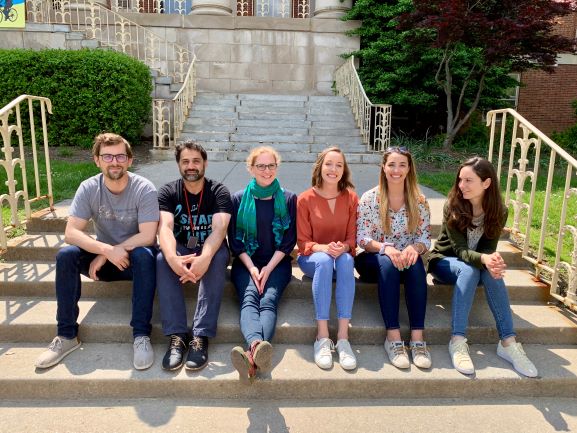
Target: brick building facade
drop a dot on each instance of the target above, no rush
(545, 99)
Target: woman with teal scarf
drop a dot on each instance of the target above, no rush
(261, 235)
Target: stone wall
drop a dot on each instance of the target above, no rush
(259, 54)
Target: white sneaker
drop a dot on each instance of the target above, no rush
(58, 349)
(397, 353)
(143, 353)
(420, 354)
(459, 351)
(323, 353)
(347, 357)
(515, 354)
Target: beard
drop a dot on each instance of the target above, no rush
(192, 175)
(115, 175)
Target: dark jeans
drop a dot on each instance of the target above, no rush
(72, 261)
(258, 313)
(210, 288)
(373, 267)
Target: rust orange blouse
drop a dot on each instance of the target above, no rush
(316, 223)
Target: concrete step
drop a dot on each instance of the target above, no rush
(105, 320)
(97, 371)
(268, 97)
(25, 278)
(271, 104)
(277, 110)
(256, 131)
(328, 415)
(200, 114)
(272, 123)
(44, 246)
(271, 138)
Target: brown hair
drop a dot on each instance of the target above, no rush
(411, 191)
(317, 178)
(461, 210)
(110, 139)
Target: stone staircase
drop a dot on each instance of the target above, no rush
(102, 368)
(299, 127)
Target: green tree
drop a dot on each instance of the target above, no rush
(440, 65)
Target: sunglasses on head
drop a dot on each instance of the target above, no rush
(400, 149)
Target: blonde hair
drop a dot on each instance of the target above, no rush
(413, 195)
(254, 154)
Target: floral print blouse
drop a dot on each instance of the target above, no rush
(369, 223)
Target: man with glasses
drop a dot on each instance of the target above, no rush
(194, 216)
(124, 210)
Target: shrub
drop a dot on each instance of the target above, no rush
(91, 91)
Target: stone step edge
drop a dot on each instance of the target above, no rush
(105, 370)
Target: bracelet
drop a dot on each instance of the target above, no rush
(384, 246)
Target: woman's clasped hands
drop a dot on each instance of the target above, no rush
(402, 259)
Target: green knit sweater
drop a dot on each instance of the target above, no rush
(453, 243)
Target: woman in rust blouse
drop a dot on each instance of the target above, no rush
(326, 232)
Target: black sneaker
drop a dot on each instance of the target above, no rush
(198, 355)
(174, 356)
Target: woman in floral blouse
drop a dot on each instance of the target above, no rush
(393, 227)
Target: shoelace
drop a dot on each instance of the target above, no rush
(399, 349)
(175, 342)
(420, 349)
(56, 344)
(196, 343)
(326, 348)
(140, 342)
(462, 351)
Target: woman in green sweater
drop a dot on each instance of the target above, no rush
(465, 255)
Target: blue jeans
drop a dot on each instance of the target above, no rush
(374, 267)
(258, 313)
(466, 278)
(72, 261)
(321, 267)
(171, 295)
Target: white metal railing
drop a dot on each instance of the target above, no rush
(169, 114)
(114, 31)
(529, 143)
(10, 125)
(374, 120)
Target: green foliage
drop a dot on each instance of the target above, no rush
(91, 91)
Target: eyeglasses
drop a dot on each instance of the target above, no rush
(109, 157)
(263, 167)
(399, 149)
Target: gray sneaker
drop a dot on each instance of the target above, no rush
(58, 349)
(143, 353)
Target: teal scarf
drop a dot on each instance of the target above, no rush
(246, 217)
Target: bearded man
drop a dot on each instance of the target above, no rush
(124, 210)
(194, 216)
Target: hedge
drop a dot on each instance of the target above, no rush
(91, 91)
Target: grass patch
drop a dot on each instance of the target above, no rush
(66, 176)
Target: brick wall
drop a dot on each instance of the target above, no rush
(546, 99)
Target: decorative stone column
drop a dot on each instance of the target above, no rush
(213, 7)
(331, 8)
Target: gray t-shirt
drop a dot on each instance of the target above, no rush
(116, 216)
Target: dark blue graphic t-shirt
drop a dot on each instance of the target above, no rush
(215, 199)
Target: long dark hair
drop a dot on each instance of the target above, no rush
(461, 210)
